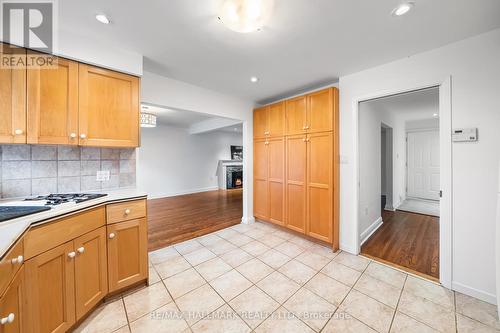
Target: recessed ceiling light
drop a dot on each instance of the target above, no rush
(435, 115)
(254, 79)
(102, 18)
(403, 8)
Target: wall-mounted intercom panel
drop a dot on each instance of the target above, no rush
(464, 135)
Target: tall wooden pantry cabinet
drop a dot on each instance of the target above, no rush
(296, 165)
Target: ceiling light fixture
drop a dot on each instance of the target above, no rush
(245, 15)
(148, 120)
(254, 79)
(102, 18)
(435, 115)
(403, 8)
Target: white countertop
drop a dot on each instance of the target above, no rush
(11, 230)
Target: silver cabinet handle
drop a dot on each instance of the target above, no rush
(127, 211)
(72, 135)
(112, 235)
(80, 250)
(7, 320)
(18, 260)
(83, 136)
(18, 132)
(72, 254)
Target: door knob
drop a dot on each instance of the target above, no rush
(83, 136)
(18, 131)
(18, 260)
(72, 135)
(80, 250)
(7, 320)
(112, 235)
(72, 254)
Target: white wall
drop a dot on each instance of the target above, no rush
(163, 91)
(474, 67)
(171, 161)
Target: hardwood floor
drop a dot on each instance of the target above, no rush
(175, 219)
(408, 240)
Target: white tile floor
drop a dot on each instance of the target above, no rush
(259, 278)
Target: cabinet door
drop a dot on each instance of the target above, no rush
(296, 183)
(108, 108)
(91, 270)
(127, 253)
(12, 306)
(12, 98)
(260, 122)
(320, 111)
(276, 180)
(50, 288)
(277, 119)
(295, 115)
(320, 186)
(261, 174)
(53, 104)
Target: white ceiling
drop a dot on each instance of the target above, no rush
(174, 118)
(415, 105)
(306, 44)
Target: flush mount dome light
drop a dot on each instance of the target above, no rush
(102, 18)
(254, 79)
(245, 15)
(403, 8)
(148, 120)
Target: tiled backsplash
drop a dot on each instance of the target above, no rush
(38, 169)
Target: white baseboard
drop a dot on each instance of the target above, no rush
(174, 194)
(370, 230)
(473, 292)
(248, 219)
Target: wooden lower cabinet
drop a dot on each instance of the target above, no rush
(320, 186)
(296, 148)
(50, 290)
(12, 306)
(91, 272)
(127, 253)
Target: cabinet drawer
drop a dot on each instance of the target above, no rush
(125, 211)
(10, 264)
(47, 236)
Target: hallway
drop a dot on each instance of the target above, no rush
(408, 240)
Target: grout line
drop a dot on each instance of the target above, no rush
(397, 304)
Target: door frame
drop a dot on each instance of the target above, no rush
(407, 157)
(446, 174)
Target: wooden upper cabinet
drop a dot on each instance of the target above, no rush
(260, 122)
(296, 183)
(50, 290)
(127, 253)
(320, 186)
(320, 111)
(276, 119)
(53, 104)
(12, 306)
(296, 115)
(91, 270)
(12, 99)
(108, 108)
(261, 174)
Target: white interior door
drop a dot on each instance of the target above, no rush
(423, 165)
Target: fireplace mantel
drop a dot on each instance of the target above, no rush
(222, 171)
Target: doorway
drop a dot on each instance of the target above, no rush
(399, 187)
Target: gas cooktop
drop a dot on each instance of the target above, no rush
(60, 198)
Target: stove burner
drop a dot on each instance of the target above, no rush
(59, 198)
